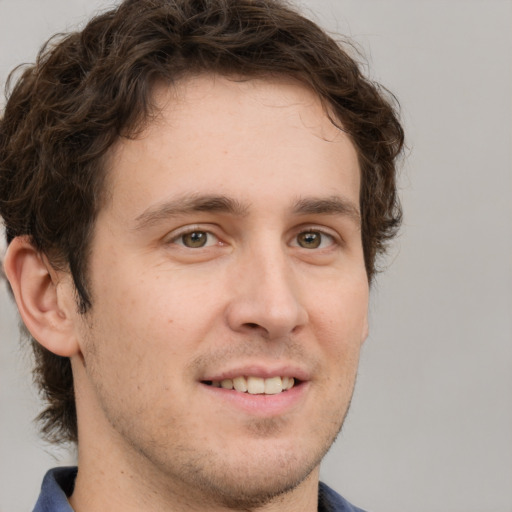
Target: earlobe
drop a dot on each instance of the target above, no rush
(45, 301)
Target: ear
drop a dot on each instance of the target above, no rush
(45, 297)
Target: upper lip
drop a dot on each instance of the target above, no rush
(259, 370)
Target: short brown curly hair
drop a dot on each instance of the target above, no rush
(89, 88)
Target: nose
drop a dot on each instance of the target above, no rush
(266, 298)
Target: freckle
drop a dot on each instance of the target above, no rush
(170, 321)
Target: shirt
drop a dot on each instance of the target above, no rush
(58, 484)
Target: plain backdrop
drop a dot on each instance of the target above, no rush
(430, 429)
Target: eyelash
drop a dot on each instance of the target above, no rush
(323, 235)
(178, 237)
(189, 231)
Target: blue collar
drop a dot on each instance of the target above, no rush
(58, 484)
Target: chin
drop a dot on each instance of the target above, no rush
(254, 485)
(257, 472)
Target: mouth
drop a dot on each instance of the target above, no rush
(255, 385)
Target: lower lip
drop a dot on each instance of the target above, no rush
(260, 405)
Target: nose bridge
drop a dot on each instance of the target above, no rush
(267, 294)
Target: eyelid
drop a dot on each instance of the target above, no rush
(337, 239)
(176, 234)
(173, 236)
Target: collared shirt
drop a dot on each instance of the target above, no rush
(59, 482)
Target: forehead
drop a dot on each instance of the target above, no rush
(233, 134)
(243, 99)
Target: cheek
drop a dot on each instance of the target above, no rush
(154, 320)
(340, 321)
(342, 308)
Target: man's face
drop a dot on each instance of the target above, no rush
(228, 253)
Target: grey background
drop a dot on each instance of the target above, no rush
(430, 428)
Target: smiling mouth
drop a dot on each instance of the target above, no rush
(255, 385)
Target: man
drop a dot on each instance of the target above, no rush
(194, 194)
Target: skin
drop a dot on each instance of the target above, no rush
(260, 297)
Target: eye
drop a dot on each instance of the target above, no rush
(195, 239)
(314, 240)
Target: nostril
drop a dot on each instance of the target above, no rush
(254, 329)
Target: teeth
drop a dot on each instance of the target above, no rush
(291, 383)
(240, 384)
(257, 385)
(273, 386)
(226, 384)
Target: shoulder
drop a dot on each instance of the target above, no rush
(331, 501)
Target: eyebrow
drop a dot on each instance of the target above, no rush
(188, 204)
(333, 205)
